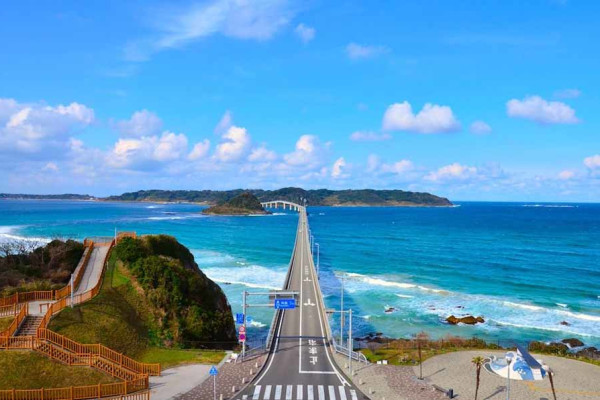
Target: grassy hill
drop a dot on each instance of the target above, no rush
(154, 305)
(29, 370)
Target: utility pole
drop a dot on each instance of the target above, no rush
(72, 288)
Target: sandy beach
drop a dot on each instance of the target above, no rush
(573, 380)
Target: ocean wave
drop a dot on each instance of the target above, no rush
(404, 296)
(257, 324)
(524, 306)
(253, 276)
(175, 217)
(549, 205)
(7, 234)
(563, 305)
(155, 206)
(380, 281)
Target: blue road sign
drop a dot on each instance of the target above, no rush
(239, 318)
(213, 371)
(283, 304)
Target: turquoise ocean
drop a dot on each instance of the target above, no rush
(531, 270)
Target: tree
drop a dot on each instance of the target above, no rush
(551, 377)
(478, 362)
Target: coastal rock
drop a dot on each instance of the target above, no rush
(591, 352)
(572, 342)
(565, 323)
(468, 320)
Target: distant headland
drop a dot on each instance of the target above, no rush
(314, 197)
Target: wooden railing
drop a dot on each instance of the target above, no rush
(10, 311)
(14, 326)
(132, 390)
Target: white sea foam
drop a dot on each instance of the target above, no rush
(380, 282)
(253, 276)
(155, 206)
(8, 234)
(563, 305)
(404, 296)
(257, 324)
(524, 306)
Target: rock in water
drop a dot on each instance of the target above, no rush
(468, 320)
(573, 342)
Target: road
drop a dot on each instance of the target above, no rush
(301, 366)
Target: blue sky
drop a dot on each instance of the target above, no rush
(474, 100)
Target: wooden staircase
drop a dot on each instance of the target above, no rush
(29, 325)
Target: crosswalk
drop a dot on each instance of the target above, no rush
(301, 392)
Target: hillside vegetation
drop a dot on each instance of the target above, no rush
(154, 302)
(23, 268)
(318, 197)
(244, 204)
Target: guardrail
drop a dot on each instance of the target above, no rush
(10, 311)
(356, 355)
(14, 326)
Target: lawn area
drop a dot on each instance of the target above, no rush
(396, 356)
(172, 357)
(5, 323)
(29, 370)
(120, 319)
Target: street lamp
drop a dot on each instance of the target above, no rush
(318, 256)
(508, 361)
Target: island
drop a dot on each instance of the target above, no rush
(243, 204)
(313, 197)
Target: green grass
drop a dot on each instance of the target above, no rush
(172, 357)
(29, 370)
(120, 319)
(5, 323)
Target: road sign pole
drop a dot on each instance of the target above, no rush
(214, 387)
(72, 289)
(244, 324)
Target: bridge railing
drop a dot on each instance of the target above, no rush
(356, 355)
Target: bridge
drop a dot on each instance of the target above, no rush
(300, 363)
(283, 204)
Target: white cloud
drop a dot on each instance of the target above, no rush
(147, 151)
(339, 166)
(141, 123)
(224, 123)
(262, 154)
(305, 33)
(399, 167)
(566, 175)
(235, 144)
(367, 136)
(309, 153)
(373, 162)
(592, 162)
(356, 51)
(50, 167)
(567, 94)
(431, 119)
(30, 128)
(480, 128)
(200, 150)
(539, 110)
(238, 19)
(453, 172)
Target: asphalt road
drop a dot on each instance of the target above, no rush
(301, 366)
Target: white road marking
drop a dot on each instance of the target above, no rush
(299, 392)
(267, 394)
(256, 393)
(288, 392)
(342, 392)
(331, 392)
(353, 394)
(278, 392)
(245, 397)
(311, 393)
(321, 392)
